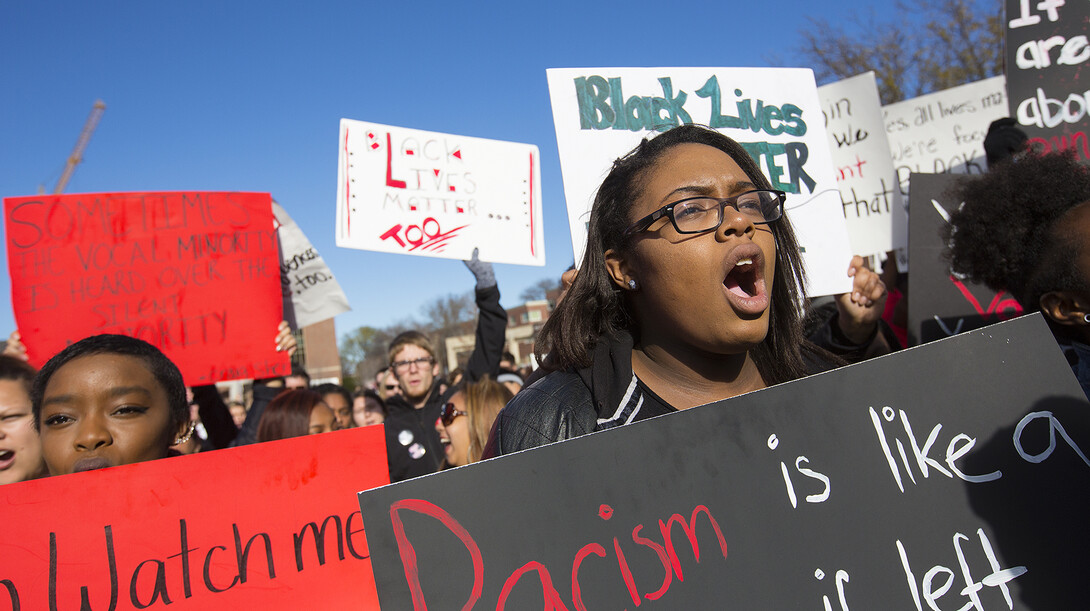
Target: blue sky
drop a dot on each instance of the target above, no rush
(247, 96)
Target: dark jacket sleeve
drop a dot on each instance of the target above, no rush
(263, 395)
(823, 329)
(557, 407)
(490, 336)
(215, 416)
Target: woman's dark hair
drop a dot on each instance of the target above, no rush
(1007, 233)
(595, 306)
(288, 415)
(164, 370)
(330, 388)
(17, 370)
(367, 393)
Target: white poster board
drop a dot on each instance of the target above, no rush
(429, 194)
(942, 133)
(864, 170)
(315, 293)
(602, 113)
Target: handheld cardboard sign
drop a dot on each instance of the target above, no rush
(941, 133)
(429, 194)
(603, 113)
(305, 278)
(194, 273)
(939, 304)
(272, 525)
(864, 171)
(1047, 51)
(950, 475)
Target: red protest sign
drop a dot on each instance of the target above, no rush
(194, 273)
(267, 526)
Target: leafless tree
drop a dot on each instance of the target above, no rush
(932, 45)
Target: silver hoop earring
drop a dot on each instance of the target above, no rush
(632, 285)
(1086, 318)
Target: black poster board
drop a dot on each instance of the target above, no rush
(940, 305)
(817, 488)
(1047, 55)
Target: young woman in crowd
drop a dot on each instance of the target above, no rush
(688, 293)
(20, 448)
(368, 408)
(337, 398)
(1025, 228)
(466, 419)
(294, 413)
(108, 400)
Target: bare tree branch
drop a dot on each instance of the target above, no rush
(932, 45)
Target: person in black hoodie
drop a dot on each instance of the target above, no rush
(412, 443)
(688, 293)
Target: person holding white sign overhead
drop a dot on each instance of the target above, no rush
(413, 446)
(688, 293)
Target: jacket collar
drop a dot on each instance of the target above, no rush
(610, 373)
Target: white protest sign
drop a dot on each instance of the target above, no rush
(864, 169)
(429, 194)
(602, 113)
(315, 294)
(942, 133)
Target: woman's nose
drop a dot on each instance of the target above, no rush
(92, 434)
(734, 223)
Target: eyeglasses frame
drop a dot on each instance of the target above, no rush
(407, 365)
(668, 210)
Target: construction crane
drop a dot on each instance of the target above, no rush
(81, 144)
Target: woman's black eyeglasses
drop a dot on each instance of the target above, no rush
(449, 413)
(700, 214)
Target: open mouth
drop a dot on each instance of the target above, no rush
(745, 281)
(742, 279)
(7, 458)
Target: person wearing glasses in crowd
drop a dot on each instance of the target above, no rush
(688, 293)
(386, 383)
(467, 418)
(412, 442)
(340, 401)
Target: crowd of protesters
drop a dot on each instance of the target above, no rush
(689, 293)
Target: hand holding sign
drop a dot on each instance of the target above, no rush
(861, 309)
(15, 347)
(285, 339)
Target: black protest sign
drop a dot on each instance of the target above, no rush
(1047, 52)
(939, 304)
(954, 472)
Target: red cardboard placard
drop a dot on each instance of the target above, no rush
(195, 273)
(267, 526)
